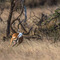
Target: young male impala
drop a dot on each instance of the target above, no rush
(17, 38)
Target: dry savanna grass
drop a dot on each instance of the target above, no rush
(32, 49)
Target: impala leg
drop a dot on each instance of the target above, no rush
(11, 41)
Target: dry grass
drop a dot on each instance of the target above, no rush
(29, 50)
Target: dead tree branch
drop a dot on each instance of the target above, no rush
(9, 18)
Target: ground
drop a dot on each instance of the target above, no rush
(32, 49)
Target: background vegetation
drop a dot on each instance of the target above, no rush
(44, 24)
(44, 18)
